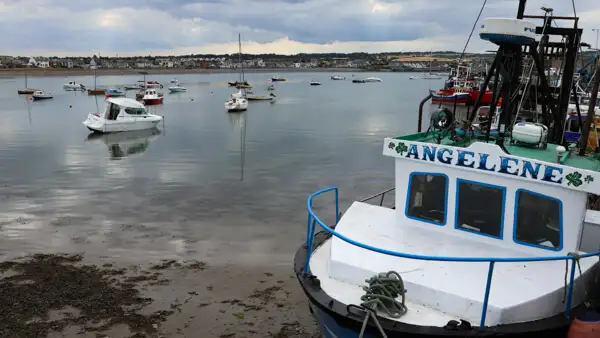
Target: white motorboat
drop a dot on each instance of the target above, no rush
(73, 86)
(174, 81)
(372, 79)
(151, 96)
(236, 104)
(121, 114)
(315, 82)
(431, 77)
(41, 95)
(412, 77)
(177, 88)
(338, 77)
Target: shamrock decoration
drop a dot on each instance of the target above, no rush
(589, 179)
(391, 145)
(574, 179)
(401, 148)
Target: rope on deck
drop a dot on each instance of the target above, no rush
(380, 295)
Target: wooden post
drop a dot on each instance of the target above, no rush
(590, 114)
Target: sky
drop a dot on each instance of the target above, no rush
(177, 27)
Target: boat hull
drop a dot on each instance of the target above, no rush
(26, 91)
(154, 101)
(338, 320)
(38, 98)
(100, 125)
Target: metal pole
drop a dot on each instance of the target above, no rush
(590, 114)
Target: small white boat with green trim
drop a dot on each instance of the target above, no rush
(492, 232)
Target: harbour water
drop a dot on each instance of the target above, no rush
(223, 188)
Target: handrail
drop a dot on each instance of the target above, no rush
(313, 219)
(382, 194)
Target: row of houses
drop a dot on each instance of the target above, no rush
(177, 62)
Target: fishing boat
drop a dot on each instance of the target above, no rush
(278, 79)
(315, 82)
(73, 86)
(27, 90)
(114, 92)
(121, 114)
(338, 77)
(372, 79)
(487, 236)
(151, 97)
(41, 95)
(461, 89)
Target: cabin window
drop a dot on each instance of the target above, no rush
(427, 197)
(480, 208)
(573, 125)
(538, 220)
(113, 111)
(135, 111)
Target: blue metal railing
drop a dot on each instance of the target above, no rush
(314, 219)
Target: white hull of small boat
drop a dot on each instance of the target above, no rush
(372, 79)
(177, 89)
(39, 95)
(236, 104)
(413, 77)
(73, 87)
(121, 114)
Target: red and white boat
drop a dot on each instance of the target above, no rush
(152, 97)
(461, 89)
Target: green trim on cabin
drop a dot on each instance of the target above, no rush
(570, 158)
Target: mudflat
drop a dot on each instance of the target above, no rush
(70, 295)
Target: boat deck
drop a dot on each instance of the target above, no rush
(547, 155)
(519, 291)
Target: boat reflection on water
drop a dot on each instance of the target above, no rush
(126, 144)
(240, 121)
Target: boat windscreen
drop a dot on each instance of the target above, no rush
(135, 111)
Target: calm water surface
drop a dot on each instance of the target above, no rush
(198, 188)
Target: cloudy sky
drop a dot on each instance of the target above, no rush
(164, 27)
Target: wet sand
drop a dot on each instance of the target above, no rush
(83, 296)
(159, 71)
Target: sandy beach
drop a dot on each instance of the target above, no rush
(162, 71)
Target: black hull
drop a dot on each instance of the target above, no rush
(339, 320)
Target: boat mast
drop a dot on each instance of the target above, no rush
(26, 79)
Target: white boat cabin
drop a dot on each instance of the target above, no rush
(476, 201)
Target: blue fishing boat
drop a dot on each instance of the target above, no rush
(491, 232)
(114, 93)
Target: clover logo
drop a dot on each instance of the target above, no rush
(401, 148)
(391, 145)
(589, 179)
(574, 179)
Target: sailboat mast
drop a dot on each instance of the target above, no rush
(26, 80)
(240, 57)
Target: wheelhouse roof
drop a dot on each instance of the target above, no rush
(125, 102)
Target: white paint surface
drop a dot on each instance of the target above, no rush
(520, 292)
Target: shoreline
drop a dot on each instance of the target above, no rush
(42, 72)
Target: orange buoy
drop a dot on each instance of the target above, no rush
(585, 326)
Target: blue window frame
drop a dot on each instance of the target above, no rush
(427, 197)
(480, 208)
(538, 220)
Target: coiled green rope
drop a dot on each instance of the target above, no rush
(381, 294)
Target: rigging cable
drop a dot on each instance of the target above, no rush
(472, 30)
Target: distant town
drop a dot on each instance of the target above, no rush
(388, 61)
